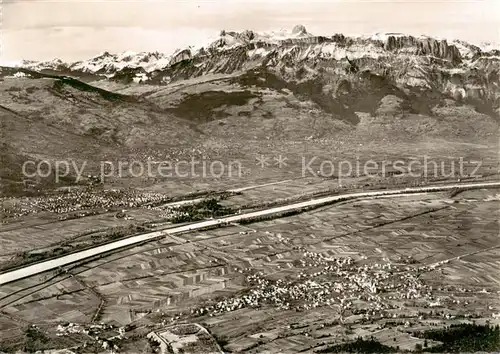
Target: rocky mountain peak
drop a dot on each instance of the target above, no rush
(424, 46)
(299, 30)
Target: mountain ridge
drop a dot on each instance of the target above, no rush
(108, 64)
(456, 69)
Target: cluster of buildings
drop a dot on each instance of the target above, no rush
(81, 199)
(73, 328)
(354, 287)
(184, 338)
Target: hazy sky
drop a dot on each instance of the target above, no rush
(79, 29)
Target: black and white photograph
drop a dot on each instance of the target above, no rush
(249, 176)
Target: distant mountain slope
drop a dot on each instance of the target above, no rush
(247, 90)
(50, 117)
(109, 119)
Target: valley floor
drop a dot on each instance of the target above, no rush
(361, 268)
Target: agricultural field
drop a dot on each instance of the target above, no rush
(361, 268)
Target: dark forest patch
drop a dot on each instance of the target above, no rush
(463, 337)
(201, 107)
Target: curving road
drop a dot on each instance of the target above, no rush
(78, 256)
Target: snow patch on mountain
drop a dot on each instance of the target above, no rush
(105, 63)
(298, 31)
(489, 47)
(258, 52)
(34, 65)
(382, 36)
(110, 63)
(334, 51)
(467, 51)
(18, 75)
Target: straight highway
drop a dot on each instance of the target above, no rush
(62, 261)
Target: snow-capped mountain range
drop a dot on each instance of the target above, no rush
(336, 47)
(454, 69)
(107, 63)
